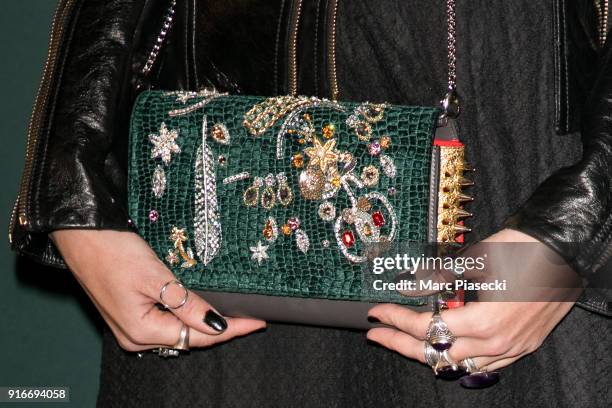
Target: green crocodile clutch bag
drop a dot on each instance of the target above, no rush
(278, 197)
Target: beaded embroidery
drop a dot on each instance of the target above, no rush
(207, 220)
(164, 144)
(327, 172)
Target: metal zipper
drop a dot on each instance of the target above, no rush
(293, 38)
(603, 12)
(63, 10)
(331, 49)
(161, 38)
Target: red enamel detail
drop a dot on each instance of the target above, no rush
(457, 301)
(449, 143)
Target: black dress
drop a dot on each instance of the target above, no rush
(506, 79)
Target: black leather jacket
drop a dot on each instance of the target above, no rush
(75, 172)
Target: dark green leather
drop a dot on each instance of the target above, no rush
(320, 272)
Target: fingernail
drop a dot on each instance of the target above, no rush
(373, 319)
(215, 320)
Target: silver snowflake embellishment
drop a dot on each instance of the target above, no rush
(164, 144)
(259, 253)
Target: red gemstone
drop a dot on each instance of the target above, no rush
(378, 219)
(348, 238)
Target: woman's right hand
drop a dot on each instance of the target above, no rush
(123, 277)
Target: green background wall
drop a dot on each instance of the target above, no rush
(49, 332)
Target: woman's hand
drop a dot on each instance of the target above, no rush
(496, 333)
(123, 277)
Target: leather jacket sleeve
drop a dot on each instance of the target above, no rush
(77, 179)
(79, 138)
(572, 210)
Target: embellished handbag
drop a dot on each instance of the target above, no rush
(267, 206)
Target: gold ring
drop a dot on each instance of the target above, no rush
(183, 341)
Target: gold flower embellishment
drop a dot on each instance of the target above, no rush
(178, 237)
(322, 155)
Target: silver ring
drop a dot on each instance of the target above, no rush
(183, 341)
(166, 352)
(470, 365)
(438, 333)
(163, 290)
(431, 355)
(438, 360)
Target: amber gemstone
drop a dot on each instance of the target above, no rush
(335, 181)
(367, 230)
(348, 239)
(378, 219)
(328, 131)
(268, 231)
(286, 229)
(385, 142)
(297, 161)
(218, 133)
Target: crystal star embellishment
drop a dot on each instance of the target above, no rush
(322, 155)
(164, 144)
(259, 253)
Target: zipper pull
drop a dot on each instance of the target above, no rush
(447, 130)
(451, 107)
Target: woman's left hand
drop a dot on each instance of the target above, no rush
(494, 334)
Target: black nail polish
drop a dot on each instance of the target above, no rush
(373, 319)
(216, 321)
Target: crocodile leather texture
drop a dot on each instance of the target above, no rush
(196, 180)
(78, 163)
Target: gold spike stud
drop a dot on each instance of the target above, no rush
(464, 197)
(465, 166)
(460, 229)
(464, 182)
(463, 214)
